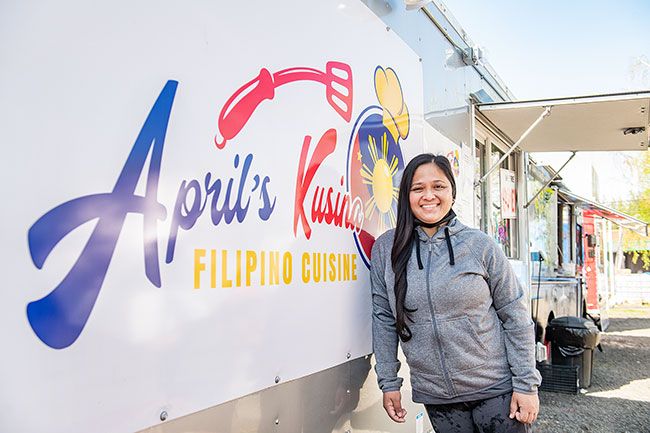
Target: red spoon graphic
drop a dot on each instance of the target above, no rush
(337, 79)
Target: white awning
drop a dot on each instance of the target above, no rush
(623, 220)
(616, 122)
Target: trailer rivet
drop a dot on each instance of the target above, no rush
(277, 421)
(387, 29)
(349, 355)
(277, 379)
(163, 415)
(347, 391)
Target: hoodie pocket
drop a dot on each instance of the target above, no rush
(419, 350)
(462, 348)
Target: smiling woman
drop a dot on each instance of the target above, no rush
(448, 295)
(431, 195)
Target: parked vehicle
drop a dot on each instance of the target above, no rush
(595, 252)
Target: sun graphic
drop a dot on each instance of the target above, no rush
(375, 160)
(379, 177)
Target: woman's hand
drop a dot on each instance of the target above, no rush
(393, 406)
(524, 407)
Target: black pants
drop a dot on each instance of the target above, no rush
(481, 416)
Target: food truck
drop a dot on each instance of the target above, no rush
(590, 245)
(193, 191)
(571, 253)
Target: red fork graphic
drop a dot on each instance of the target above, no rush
(337, 79)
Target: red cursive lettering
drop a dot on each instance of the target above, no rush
(306, 172)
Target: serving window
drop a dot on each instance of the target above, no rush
(496, 198)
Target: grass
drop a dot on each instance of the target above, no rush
(630, 310)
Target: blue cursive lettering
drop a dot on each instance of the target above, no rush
(59, 318)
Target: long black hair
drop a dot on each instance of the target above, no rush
(406, 235)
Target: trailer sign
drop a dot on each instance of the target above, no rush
(59, 317)
(205, 204)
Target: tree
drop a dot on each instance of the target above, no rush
(639, 207)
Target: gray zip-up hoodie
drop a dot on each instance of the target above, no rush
(472, 332)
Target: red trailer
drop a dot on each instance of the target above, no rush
(596, 254)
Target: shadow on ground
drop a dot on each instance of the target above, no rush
(628, 324)
(584, 413)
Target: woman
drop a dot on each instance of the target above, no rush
(448, 293)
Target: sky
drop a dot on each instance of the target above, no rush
(552, 48)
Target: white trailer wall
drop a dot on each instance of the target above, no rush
(108, 117)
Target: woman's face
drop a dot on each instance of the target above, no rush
(431, 194)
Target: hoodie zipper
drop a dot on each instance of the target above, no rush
(445, 373)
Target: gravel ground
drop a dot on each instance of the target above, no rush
(618, 399)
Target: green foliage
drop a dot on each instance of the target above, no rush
(638, 207)
(644, 255)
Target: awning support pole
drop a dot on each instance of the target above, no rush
(547, 111)
(557, 173)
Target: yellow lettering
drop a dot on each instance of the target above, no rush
(354, 267)
(346, 267)
(274, 268)
(332, 266)
(225, 282)
(316, 269)
(251, 265)
(338, 267)
(262, 266)
(287, 265)
(213, 269)
(305, 268)
(238, 268)
(199, 267)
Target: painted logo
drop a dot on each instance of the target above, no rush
(364, 203)
(375, 158)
